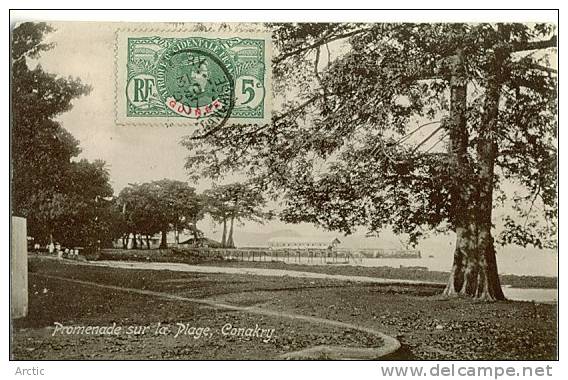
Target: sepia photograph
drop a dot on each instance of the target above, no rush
(283, 190)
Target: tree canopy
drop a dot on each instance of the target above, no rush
(235, 202)
(341, 149)
(414, 127)
(61, 198)
(160, 206)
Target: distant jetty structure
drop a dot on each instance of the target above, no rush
(302, 243)
(296, 243)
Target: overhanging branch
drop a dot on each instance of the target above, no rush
(318, 43)
(428, 138)
(535, 45)
(264, 126)
(296, 109)
(547, 69)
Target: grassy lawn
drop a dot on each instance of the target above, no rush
(428, 327)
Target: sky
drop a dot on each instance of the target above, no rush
(145, 153)
(132, 153)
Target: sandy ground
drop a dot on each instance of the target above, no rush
(541, 295)
(271, 272)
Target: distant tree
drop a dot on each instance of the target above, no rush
(109, 222)
(178, 206)
(348, 147)
(195, 208)
(218, 209)
(79, 212)
(235, 202)
(89, 195)
(55, 194)
(140, 209)
(160, 206)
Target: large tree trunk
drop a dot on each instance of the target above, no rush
(164, 241)
(487, 153)
(474, 270)
(224, 238)
(195, 232)
(459, 167)
(230, 241)
(134, 241)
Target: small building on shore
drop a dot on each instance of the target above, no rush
(201, 242)
(303, 243)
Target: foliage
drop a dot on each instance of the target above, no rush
(342, 151)
(159, 206)
(235, 202)
(62, 199)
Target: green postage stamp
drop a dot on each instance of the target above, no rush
(191, 78)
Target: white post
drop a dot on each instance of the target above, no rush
(19, 268)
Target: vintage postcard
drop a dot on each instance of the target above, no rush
(284, 191)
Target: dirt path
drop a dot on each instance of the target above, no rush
(513, 294)
(256, 272)
(390, 344)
